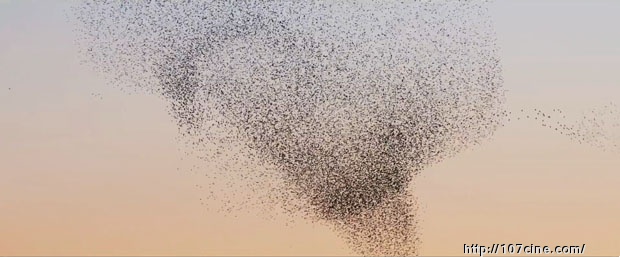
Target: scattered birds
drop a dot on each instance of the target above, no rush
(346, 101)
(598, 127)
(97, 95)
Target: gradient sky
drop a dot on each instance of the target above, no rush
(87, 168)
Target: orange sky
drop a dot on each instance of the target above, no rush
(81, 175)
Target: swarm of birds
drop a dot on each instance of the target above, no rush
(346, 100)
(597, 127)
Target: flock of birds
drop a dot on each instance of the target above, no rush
(344, 101)
(597, 127)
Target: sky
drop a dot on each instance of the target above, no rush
(90, 169)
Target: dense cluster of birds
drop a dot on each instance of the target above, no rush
(345, 100)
